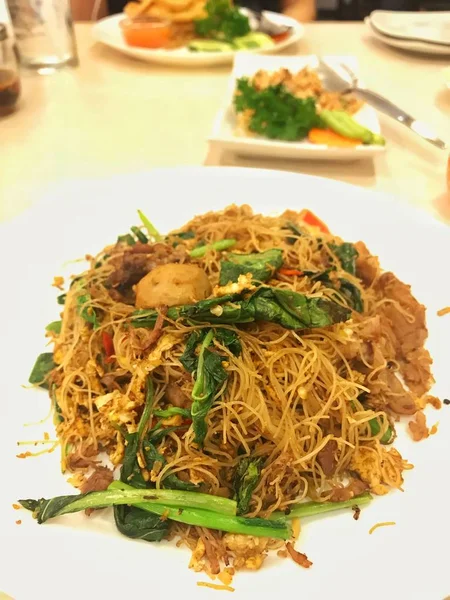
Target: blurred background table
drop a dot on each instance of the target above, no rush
(114, 114)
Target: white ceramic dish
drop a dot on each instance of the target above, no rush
(417, 47)
(77, 556)
(429, 27)
(108, 32)
(225, 137)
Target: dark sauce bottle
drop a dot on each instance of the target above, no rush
(9, 75)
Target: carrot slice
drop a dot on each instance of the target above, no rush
(308, 217)
(289, 272)
(330, 138)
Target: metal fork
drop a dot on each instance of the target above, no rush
(347, 81)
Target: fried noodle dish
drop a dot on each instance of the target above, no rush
(233, 376)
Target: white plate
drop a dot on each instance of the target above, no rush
(76, 556)
(225, 136)
(429, 27)
(417, 47)
(108, 32)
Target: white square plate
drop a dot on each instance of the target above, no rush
(226, 137)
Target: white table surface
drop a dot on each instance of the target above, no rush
(113, 114)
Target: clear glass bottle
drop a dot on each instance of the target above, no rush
(44, 34)
(9, 74)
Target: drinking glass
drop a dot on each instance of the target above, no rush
(44, 33)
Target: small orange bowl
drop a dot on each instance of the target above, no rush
(145, 32)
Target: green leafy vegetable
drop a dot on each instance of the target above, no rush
(87, 312)
(171, 411)
(61, 299)
(347, 255)
(151, 229)
(217, 246)
(126, 239)
(261, 265)
(309, 509)
(352, 294)
(295, 230)
(210, 376)
(226, 337)
(285, 307)
(121, 494)
(139, 234)
(54, 326)
(139, 524)
(223, 22)
(209, 372)
(42, 367)
(213, 518)
(246, 478)
(276, 113)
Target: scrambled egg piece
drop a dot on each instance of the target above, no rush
(249, 551)
(244, 282)
(118, 407)
(155, 358)
(197, 563)
(366, 463)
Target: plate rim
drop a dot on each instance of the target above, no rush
(409, 45)
(386, 33)
(177, 57)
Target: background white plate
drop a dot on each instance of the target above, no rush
(108, 32)
(417, 47)
(225, 137)
(78, 557)
(432, 27)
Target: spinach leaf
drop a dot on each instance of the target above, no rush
(54, 326)
(229, 339)
(296, 311)
(226, 337)
(189, 357)
(296, 230)
(139, 524)
(42, 367)
(352, 294)
(347, 255)
(87, 312)
(210, 376)
(261, 265)
(246, 479)
(289, 309)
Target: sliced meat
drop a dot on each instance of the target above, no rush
(367, 266)
(172, 284)
(98, 481)
(176, 396)
(403, 322)
(327, 458)
(75, 462)
(298, 557)
(397, 398)
(354, 488)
